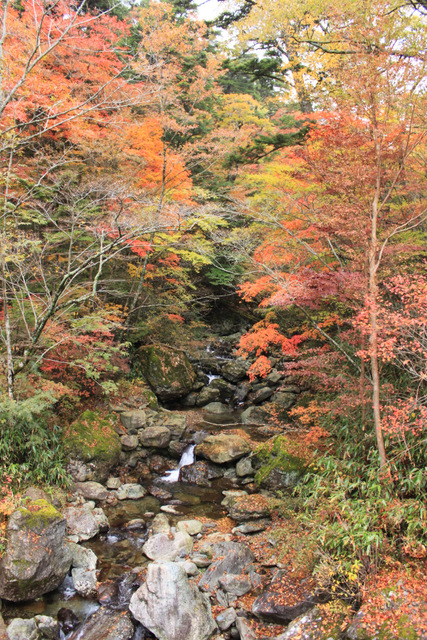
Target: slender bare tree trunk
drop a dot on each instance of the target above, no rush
(7, 327)
(373, 310)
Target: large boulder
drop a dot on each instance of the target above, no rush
(37, 557)
(223, 447)
(168, 372)
(106, 624)
(170, 607)
(280, 463)
(92, 439)
(200, 473)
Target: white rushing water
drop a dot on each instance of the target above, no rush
(186, 459)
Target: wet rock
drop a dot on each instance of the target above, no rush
(242, 392)
(192, 527)
(200, 473)
(207, 395)
(235, 370)
(170, 508)
(81, 522)
(37, 558)
(170, 607)
(108, 592)
(101, 519)
(48, 627)
(132, 491)
(176, 448)
(129, 443)
(91, 490)
(230, 558)
(163, 548)
(67, 620)
(244, 629)
(136, 524)
(84, 582)
(105, 624)
(133, 420)
(82, 557)
(157, 437)
(226, 618)
(20, 629)
(249, 507)
(223, 447)
(244, 468)
(160, 524)
(160, 494)
(168, 372)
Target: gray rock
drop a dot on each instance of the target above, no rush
(157, 437)
(201, 560)
(235, 370)
(47, 626)
(223, 447)
(230, 558)
(160, 524)
(133, 420)
(163, 548)
(207, 396)
(236, 585)
(244, 468)
(81, 521)
(84, 582)
(245, 630)
(190, 568)
(101, 519)
(230, 496)
(284, 400)
(114, 483)
(200, 473)
(226, 618)
(253, 415)
(273, 609)
(248, 507)
(131, 491)
(82, 557)
(192, 527)
(92, 490)
(263, 394)
(20, 629)
(37, 557)
(168, 371)
(251, 527)
(105, 624)
(170, 607)
(308, 627)
(129, 443)
(216, 407)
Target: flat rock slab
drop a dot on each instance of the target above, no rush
(223, 447)
(157, 437)
(170, 607)
(249, 507)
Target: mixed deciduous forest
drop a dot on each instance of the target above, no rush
(160, 174)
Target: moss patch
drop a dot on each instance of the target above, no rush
(168, 372)
(92, 437)
(282, 455)
(39, 514)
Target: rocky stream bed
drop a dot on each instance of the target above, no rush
(168, 530)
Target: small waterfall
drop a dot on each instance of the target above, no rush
(186, 459)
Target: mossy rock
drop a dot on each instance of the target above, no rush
(168, 372)
(37, 558)
(92, 438)
(279, 463)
